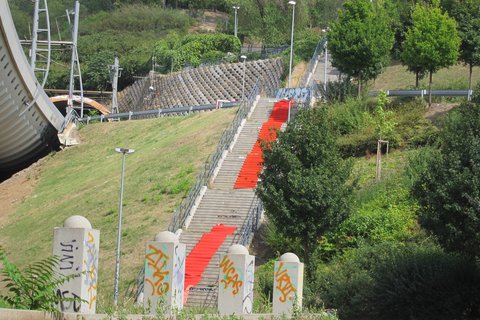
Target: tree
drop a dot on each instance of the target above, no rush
(448, 187)
(431, 43)
(467, 15)
(304, 184)
(360, 40)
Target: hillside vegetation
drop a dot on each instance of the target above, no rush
(85, 180)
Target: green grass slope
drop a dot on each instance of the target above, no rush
(85, 180)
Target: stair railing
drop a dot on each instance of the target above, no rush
(183, 210)
(251, 222)
(311, 64)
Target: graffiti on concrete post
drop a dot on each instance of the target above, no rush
(68, 250)
(284, 284)
(90, 267)
(157, 274)
(248, 299)
(230, 275)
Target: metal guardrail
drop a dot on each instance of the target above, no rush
(422, 93)
(157, 112)
(181, 213)
(311, 64)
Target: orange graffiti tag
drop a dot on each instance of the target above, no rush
(157, 260)
(91, 269)
(230, 275)
(284, 284)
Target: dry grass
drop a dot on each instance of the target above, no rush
(85, 180)
(396, 76)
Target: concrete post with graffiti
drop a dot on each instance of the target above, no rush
(287, 284)
(76, 244)
(235, 284)
(164, 274)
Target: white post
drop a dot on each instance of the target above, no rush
(235, 283)
(291, 43)
(326, 66)
(164, 273)
(244, 58)
(76, 244)
(287, 284)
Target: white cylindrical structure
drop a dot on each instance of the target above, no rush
(291, 43)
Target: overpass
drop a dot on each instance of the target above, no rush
(29, 122)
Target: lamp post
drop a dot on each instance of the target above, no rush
(326, 61)
(123, 151)
(244, 58)
(236, 20)
(291, 42)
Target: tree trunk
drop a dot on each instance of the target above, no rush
(470, 77)
(416, 79)
(430, 90)
(359, 87)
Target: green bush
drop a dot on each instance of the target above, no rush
(339, 91)
(426, 283)
(263, 288)
(349, 116)
(345, 283)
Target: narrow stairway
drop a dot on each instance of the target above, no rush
(222, 204)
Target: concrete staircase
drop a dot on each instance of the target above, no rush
(223, 204)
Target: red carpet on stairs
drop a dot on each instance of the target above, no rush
(252, 166)
(202, 253)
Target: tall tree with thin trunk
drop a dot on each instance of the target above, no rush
(467, 15)
(432, 42)
(361, 39)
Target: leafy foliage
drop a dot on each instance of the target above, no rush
(173, 52)
(449, 190)
(34, 287)
(426, 283)
(304, 182)
(467, 15)
(361, 39)
(383, 119)
(432, 42)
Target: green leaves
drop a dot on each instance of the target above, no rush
(34, 287)
(449, 190)
(361, 39)
(304, 182)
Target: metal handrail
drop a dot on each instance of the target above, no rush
(251, 223)
(422, 93)
(158, 112)
(183, 210)
(311, 64)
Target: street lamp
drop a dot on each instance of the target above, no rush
(244, 58)
(326, 61)
(124, 151)
(291, 42)
(236, 20)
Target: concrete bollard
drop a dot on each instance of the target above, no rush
(164, 274)
(77, 246)
(235, 285)
(287, 284)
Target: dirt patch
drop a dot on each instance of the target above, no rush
(16, 189)
(437, 111)
(208, 22)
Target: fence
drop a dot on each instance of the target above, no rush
(422, 93)
(157, 112)
(312, 63)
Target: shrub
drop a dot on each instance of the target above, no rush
(339, 91)
(263, 288)
(426, 283)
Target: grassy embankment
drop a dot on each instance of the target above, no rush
(397, 77)
(85, 180)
